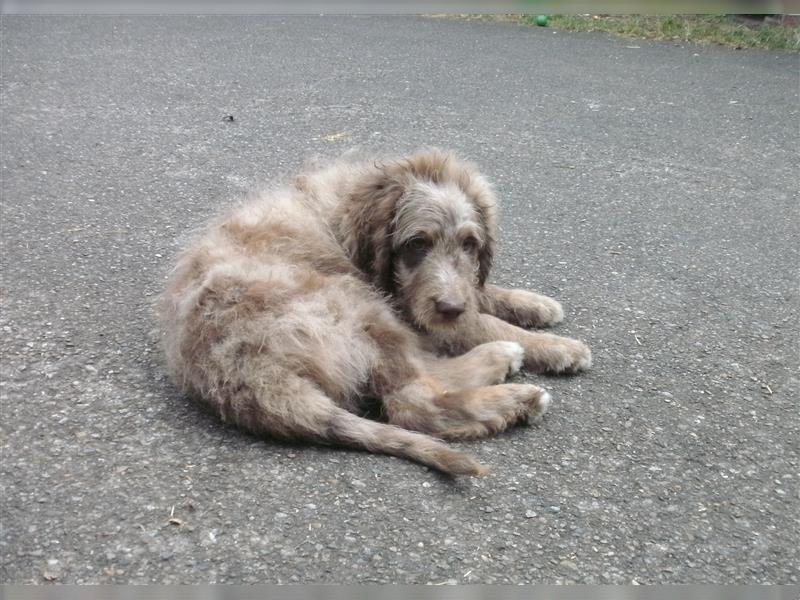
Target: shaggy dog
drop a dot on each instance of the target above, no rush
(362, 281)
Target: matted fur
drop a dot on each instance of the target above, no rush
(362, 280)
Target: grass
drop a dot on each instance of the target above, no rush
(713, 29)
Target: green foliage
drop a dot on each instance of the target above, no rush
(715, 29)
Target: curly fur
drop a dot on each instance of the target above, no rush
(352, 283)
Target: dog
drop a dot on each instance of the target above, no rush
(361, 281)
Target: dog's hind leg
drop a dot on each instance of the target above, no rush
(297, 409)
(466, 413)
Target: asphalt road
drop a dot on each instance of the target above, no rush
(651, 187)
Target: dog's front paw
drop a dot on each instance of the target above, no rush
(535, 310)
(578, 357)
(555, 354)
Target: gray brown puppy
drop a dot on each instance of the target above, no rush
(362, 280)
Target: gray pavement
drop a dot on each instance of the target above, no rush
(651, 187)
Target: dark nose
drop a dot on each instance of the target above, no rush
(448, 309)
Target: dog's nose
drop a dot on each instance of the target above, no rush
(448, 309)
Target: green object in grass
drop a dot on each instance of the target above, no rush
(541, 20)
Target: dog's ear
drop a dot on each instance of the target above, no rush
(480, 192)
(369, 222)
(485, 259)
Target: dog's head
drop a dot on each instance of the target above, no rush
(423, 227)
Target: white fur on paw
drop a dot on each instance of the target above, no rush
(557, 313)
(584, 361)
(516, 354)
(542, 405)
(544, 402)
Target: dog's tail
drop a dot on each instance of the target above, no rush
(354, 431)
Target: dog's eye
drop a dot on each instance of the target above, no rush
(417, 245)
(470, 244)
(414, 250)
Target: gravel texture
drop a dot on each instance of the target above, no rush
(651, 187)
